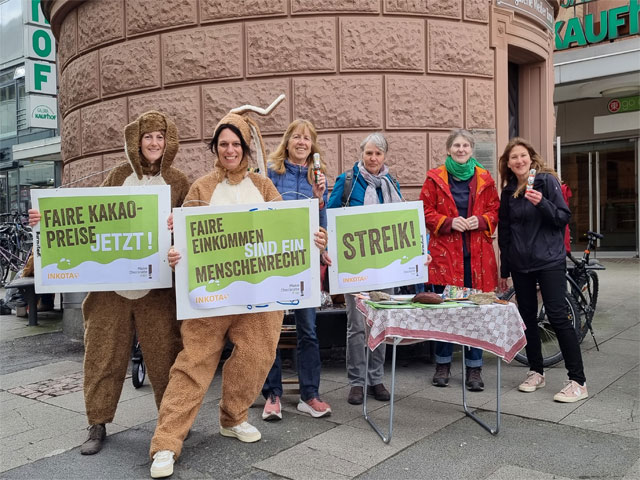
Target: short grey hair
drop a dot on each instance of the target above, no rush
(378, 140)
(460, 132)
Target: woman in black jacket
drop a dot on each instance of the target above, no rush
(531, 240)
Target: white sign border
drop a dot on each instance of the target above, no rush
(183, 307)
(332, 213)
(164, 237)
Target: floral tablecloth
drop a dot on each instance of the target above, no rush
(498, 329)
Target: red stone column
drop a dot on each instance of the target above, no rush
(413, 70)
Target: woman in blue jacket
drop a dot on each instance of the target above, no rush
(368, 183)
(532, 251)
(291, 171)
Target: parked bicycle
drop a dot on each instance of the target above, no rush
(581, 299)
(15, 244)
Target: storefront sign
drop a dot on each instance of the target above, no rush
(40, 49)
(40, 77)
(376, 246)
(39, 43)
(42, 111)
(624, 104)
(101, 239)
(32, 13)
(539, 10)
(605, 29)
(246, 258)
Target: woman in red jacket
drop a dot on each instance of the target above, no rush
(461, 212)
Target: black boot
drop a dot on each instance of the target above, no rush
(356, 396)
(441, 377)
(93, 444)
(474, 381)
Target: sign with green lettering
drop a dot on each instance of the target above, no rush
(607, 27)
(244, 258)
(100, 239)
(624, 104)
(42, 111)
(376, 246)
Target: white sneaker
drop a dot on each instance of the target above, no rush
(245, 432)
(572, 392)
(162, 464)
(533, 382)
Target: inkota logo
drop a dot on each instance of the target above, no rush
(43, 112)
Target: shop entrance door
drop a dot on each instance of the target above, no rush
(604, 185)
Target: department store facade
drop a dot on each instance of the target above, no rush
(597, 97)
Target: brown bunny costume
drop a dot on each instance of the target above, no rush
(110, 318)
(254, 335)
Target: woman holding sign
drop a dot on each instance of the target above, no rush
(533, 216)
(110, 318)
(461, 211)
(254, 335)
(292, 171)
(367, 183)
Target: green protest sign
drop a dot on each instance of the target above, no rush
(101, 239)
(376, 246)
(246, 257)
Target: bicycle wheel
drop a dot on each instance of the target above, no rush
(551, 353)
(587, 302)
(590, 291)
(138, 373)
(4, 264)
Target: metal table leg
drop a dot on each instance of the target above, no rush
(31, 297)
(493, 431)
(387, 438)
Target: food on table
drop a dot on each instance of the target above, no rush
(427, 297)
(483, 298)
(376, 296)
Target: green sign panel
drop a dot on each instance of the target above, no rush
(624, 104)
(610, 22)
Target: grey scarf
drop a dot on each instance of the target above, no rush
(389, 192)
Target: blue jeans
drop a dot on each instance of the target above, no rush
(308, 359)
(472, 356)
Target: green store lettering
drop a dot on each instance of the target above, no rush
(610, 22)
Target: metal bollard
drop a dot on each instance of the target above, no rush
(72, 322)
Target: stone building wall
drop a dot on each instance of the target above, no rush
(412, 69)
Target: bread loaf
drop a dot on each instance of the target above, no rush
(482, 298)
(379, 296)
(427, 297)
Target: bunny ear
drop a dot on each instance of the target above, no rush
(260, 151)
(260, 111)
(132, 146)
(249, 130)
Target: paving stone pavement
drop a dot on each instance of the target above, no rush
(42, 421)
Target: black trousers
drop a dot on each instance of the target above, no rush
(553, 286)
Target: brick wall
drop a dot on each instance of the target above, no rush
(411, 69)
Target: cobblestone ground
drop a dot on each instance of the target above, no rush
(53, 387)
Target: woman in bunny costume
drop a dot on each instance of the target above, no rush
(254, 335)
(110, 318)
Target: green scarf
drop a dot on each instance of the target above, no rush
(463, 171)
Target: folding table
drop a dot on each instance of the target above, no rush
(495, 328)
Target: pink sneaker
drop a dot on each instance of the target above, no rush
(272, 409)
(572, 392)
(533, 382)
(314, 407)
